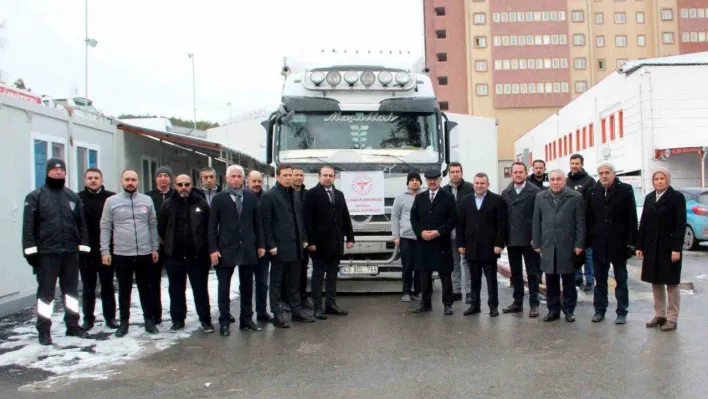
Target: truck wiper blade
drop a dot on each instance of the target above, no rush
(336, 168)
(399, 159)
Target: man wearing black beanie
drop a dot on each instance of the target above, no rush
(404, 236)
(53, 232)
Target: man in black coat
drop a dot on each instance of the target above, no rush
(235, 239)
(433, 217)
(93, 197)
(459, 188)
(611, 217)
(299, 192)
(520, 198)
(254, 184)
(286, 239)
(53, 233)
(539, 177)
(481, 222)
(328, 223)
(183, 224)
(580, 181)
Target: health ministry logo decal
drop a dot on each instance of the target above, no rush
(362, 184)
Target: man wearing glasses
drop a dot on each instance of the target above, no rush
(183, 225)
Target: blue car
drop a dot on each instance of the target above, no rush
(696, 217)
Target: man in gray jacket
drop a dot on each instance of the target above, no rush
(404, 237)
(558, 234)
(130, 221)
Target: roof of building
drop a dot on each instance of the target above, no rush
(683, 59)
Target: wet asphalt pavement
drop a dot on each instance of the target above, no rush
(382, 351)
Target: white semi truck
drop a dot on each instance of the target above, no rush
(377, 117)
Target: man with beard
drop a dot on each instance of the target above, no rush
(163, 179)
(459, 188)
(93, 197)
(53, 233)
(539, 177)
(209, 187)
(235, 239)
(129, 222)
(182, 224)
(580, 181)
(254, 183)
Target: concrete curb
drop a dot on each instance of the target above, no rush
(505, 271)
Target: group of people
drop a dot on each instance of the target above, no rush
(554, 224)
(186, 230)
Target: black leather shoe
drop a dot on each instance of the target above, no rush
(320, 315)
(422, 308)
(457, 297)
(306, 303)
(176, 326)
(588, 288)
(232, 319)
(224, 331)
(86, 326)
(493, 312)
(448, 310)
(112, 323)
(249, 326)
(157, 320)
(122, 330)
(533, 313)
(551, 317)
(280, 322)
(468, 299)
(76, 332)
(45, 338)
(207, 327)
(598, 317)
(570, 317)
(472, 310)
(334, 309)
(302, 317)
(265, 317)
(513, 308)
(151, 328)
(579, 282)
(286, 307)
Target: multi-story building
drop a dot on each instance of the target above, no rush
(519, 61)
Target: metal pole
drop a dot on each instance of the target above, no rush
(194, 91)
(86, 45)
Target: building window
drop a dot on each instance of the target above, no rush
(480, 19)
(480, 65)
(556, 87)
(507, 88)
(701, 13)
(43, 148)
(577, 16)
(621, 62)
(599, 18)
(556, 63)
(496, 17)
(641, 41)
(497, 41)
(620, 18)
(499, 89)
(521, 16)
(580, 63)
(563, 39)
(512, 17)
(667, 14)
(480, 41)
(581, 86)
(640, 17)
(515, 88)
(514, 64)
(498, 65)
(442, 57)
(440, 11)
(524, 88)
(621, 41)
(564, 63)
(505, 17)
(554, 15)
(441, 34)
(692, 13)
(506, 64)
(513, 40)
(701, 36)
(522, 63)
(444, 106)
(442, 80)
(684, 13)
(86, 157)
(546, 16)
(667, 37)
(522, 40)
(578, 39)
(547, 64)
(149, 166)
(685, 37)
(537, 16)
(549, 87)
(555, 40)
(561, 15)
(564, 87)
(601, 64)
(505, 40)
(482, 89)
(600, 41)
(694, 37)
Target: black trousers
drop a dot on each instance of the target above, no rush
(426, 282)
(260, 273)
(126, 267)
(178, 270)
(600, 300)
(224, 274)
(324, 270)
(282, 273)
(411, 277)
(64, 267)
(553, 293)
(303, 280)
(156, 287)
(490, 273)
(532, 260)
(93, 270)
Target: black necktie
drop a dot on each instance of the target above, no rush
(331, 196)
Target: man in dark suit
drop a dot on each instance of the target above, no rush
(286, 239)
(459, 188)
(558, 234)
(235, 239)
(433, 217)
(254, 184)
(611, 216)
(480, 238)
(299, 192)
(328, 222)
(520, 198)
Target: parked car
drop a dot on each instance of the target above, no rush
(696, 216)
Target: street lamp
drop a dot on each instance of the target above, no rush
(89, 42)
(194, 91)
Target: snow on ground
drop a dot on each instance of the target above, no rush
(75, 358)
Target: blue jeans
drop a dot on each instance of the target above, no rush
(589, 272)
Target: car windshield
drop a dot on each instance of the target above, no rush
(360, 131)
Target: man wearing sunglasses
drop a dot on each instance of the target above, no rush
(183, 223)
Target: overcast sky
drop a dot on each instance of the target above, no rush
(141, 65)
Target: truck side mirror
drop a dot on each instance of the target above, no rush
(268, 126)
(449, 125)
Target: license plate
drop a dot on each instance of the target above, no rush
(359, 269)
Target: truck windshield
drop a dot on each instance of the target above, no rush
(360, 131)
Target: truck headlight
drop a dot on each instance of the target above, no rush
(351, 77)
(317, 78)
(385, 78)
(368, 78)
(334, 78)
(402, 78)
